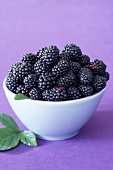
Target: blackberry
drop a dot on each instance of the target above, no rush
(51, 50)
(30, 81)
(75, 67)
(86, 90)
(12, 83)
(74, 51)
(46, 81)
(65, 56)
(73, 93)
(23, 90)
(40, 67)
(98, 67)
(106, 75)
(67, 80)
(31, 58)
(99, 83)
(61, 68)
(14, 71)
(85, 60)
(26, 69)
(85, 76)
(49, 59)
(35, 94)
(55, 94)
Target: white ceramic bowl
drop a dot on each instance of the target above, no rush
(54, 120)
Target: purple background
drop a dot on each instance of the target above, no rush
(26, 26)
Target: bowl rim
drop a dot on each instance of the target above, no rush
(51, 102)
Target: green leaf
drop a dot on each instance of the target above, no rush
(8, 122)
(8, 139)
(28, 138)
(20, 96)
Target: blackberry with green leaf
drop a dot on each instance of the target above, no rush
(35, 94)
(99, 83)
(61, 68)
(85, 76)
(22, 89)
(74, 52)
(67, 80)
(55, 94)
(86, 90)
(73, 93)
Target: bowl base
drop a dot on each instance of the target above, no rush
(56, 138)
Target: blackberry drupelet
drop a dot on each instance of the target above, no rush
(85, 60)
(86, 90)
(12, 83)
(98, 67)
(99, 83)
(67, 80)
(73, 93)
(61, 68)
(35, 94)
(23, 90)
(31, 58)
(85, 76)
(55, 94)
(40, 67)
(46, 81)
(74, 51)
(75, 66)
(30, 81)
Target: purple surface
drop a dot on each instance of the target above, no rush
(25, 26)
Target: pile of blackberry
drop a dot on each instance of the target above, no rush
(50, 75)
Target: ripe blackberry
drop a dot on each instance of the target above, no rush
(106, 75)
(41, 52)
(65, 56)
(30, 81)
(35, 94)
(67, 80)
(74, 51)
(23, 90)
(86, 90)
(26, 69)
(99, 83)
(40, 67)
(31, 58)
(51, 50)
(73, 93)
(12, 83)
(98, 67)
(46, 81)
(85, 76)
(50, 59)
(75, 67)
(85, 60)
(55, 94)
(61, 68)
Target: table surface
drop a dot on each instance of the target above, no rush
(26, 26)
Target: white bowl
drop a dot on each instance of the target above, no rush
(54, 120)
